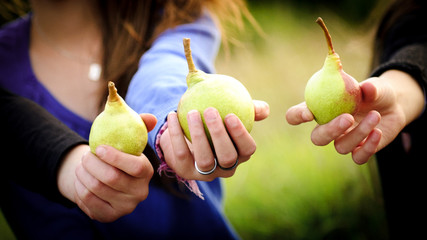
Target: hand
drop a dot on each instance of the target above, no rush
(232, 143)
(107, 185)
(389, 103)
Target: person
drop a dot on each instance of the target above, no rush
(62, 54)
(391, 121)
(41, 142)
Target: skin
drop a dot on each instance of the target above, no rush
(107, 185)
(112, 184)
(180, 154)
(389, 103)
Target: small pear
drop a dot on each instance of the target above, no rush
(118, 126)
(331, 92)
(222, 92)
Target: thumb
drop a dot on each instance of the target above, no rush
(369, 90)
(149, 119)
(262, 110)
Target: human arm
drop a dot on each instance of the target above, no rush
(109, 184)
(161, 78)
(390, 102)
(34, 144)
(396, 91)
(45, 156)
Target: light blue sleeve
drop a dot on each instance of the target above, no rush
(160, 80)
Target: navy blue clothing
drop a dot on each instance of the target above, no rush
(155, 88)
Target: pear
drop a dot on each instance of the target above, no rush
(225, 93)
(330, 91)
(118, 126)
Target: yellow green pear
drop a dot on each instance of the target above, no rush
(118, 126)
(331, 92)
(225, 93)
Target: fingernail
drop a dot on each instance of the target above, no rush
(101, 151)
(345, 123)
(231, 120)
(192, 116)
(210, 114)
(305, 116)
(373, 118)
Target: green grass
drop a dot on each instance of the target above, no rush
(290, 188)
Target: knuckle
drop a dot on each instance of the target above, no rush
(205, 165)
(197, 133)
(96, 186)
(112, 177)
(215, 130)
(181, 153)
(340, 148)
(228, 160)
(249, 150)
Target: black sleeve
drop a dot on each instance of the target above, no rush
(33, 145)
(402, 41)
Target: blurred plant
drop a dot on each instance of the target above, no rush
(351, 11)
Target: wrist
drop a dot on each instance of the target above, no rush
(409, 94)
(66, 172)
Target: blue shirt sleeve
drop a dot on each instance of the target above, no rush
(160, 80)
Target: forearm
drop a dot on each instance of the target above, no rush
(36, 143)
(160, 80)
(66, 172)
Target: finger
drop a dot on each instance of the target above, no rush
(244, 142)
(201, 148)
(149, 119)
(107, 174)
(299, 114)
(96, 187)
(226, 153)
(369, 91)
(326, 133)
(183, 158)
(348, 142)
(262, 110)
(136, 166)
(362, 154)
(93, 206)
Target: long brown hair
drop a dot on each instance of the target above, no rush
(129, 28)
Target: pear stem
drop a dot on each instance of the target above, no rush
(327, 35)
(112, 92)
(188, 56)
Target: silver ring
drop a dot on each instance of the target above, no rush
(207, 172)
(230, 168)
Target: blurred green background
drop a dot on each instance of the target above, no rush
(291, 189)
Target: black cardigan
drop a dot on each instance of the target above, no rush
(403, 172)
(33, 144)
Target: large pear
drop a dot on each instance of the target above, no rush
(118, 126)
(331, 92)
(225, 93)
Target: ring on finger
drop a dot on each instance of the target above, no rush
(207, 172)
(230, 168)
